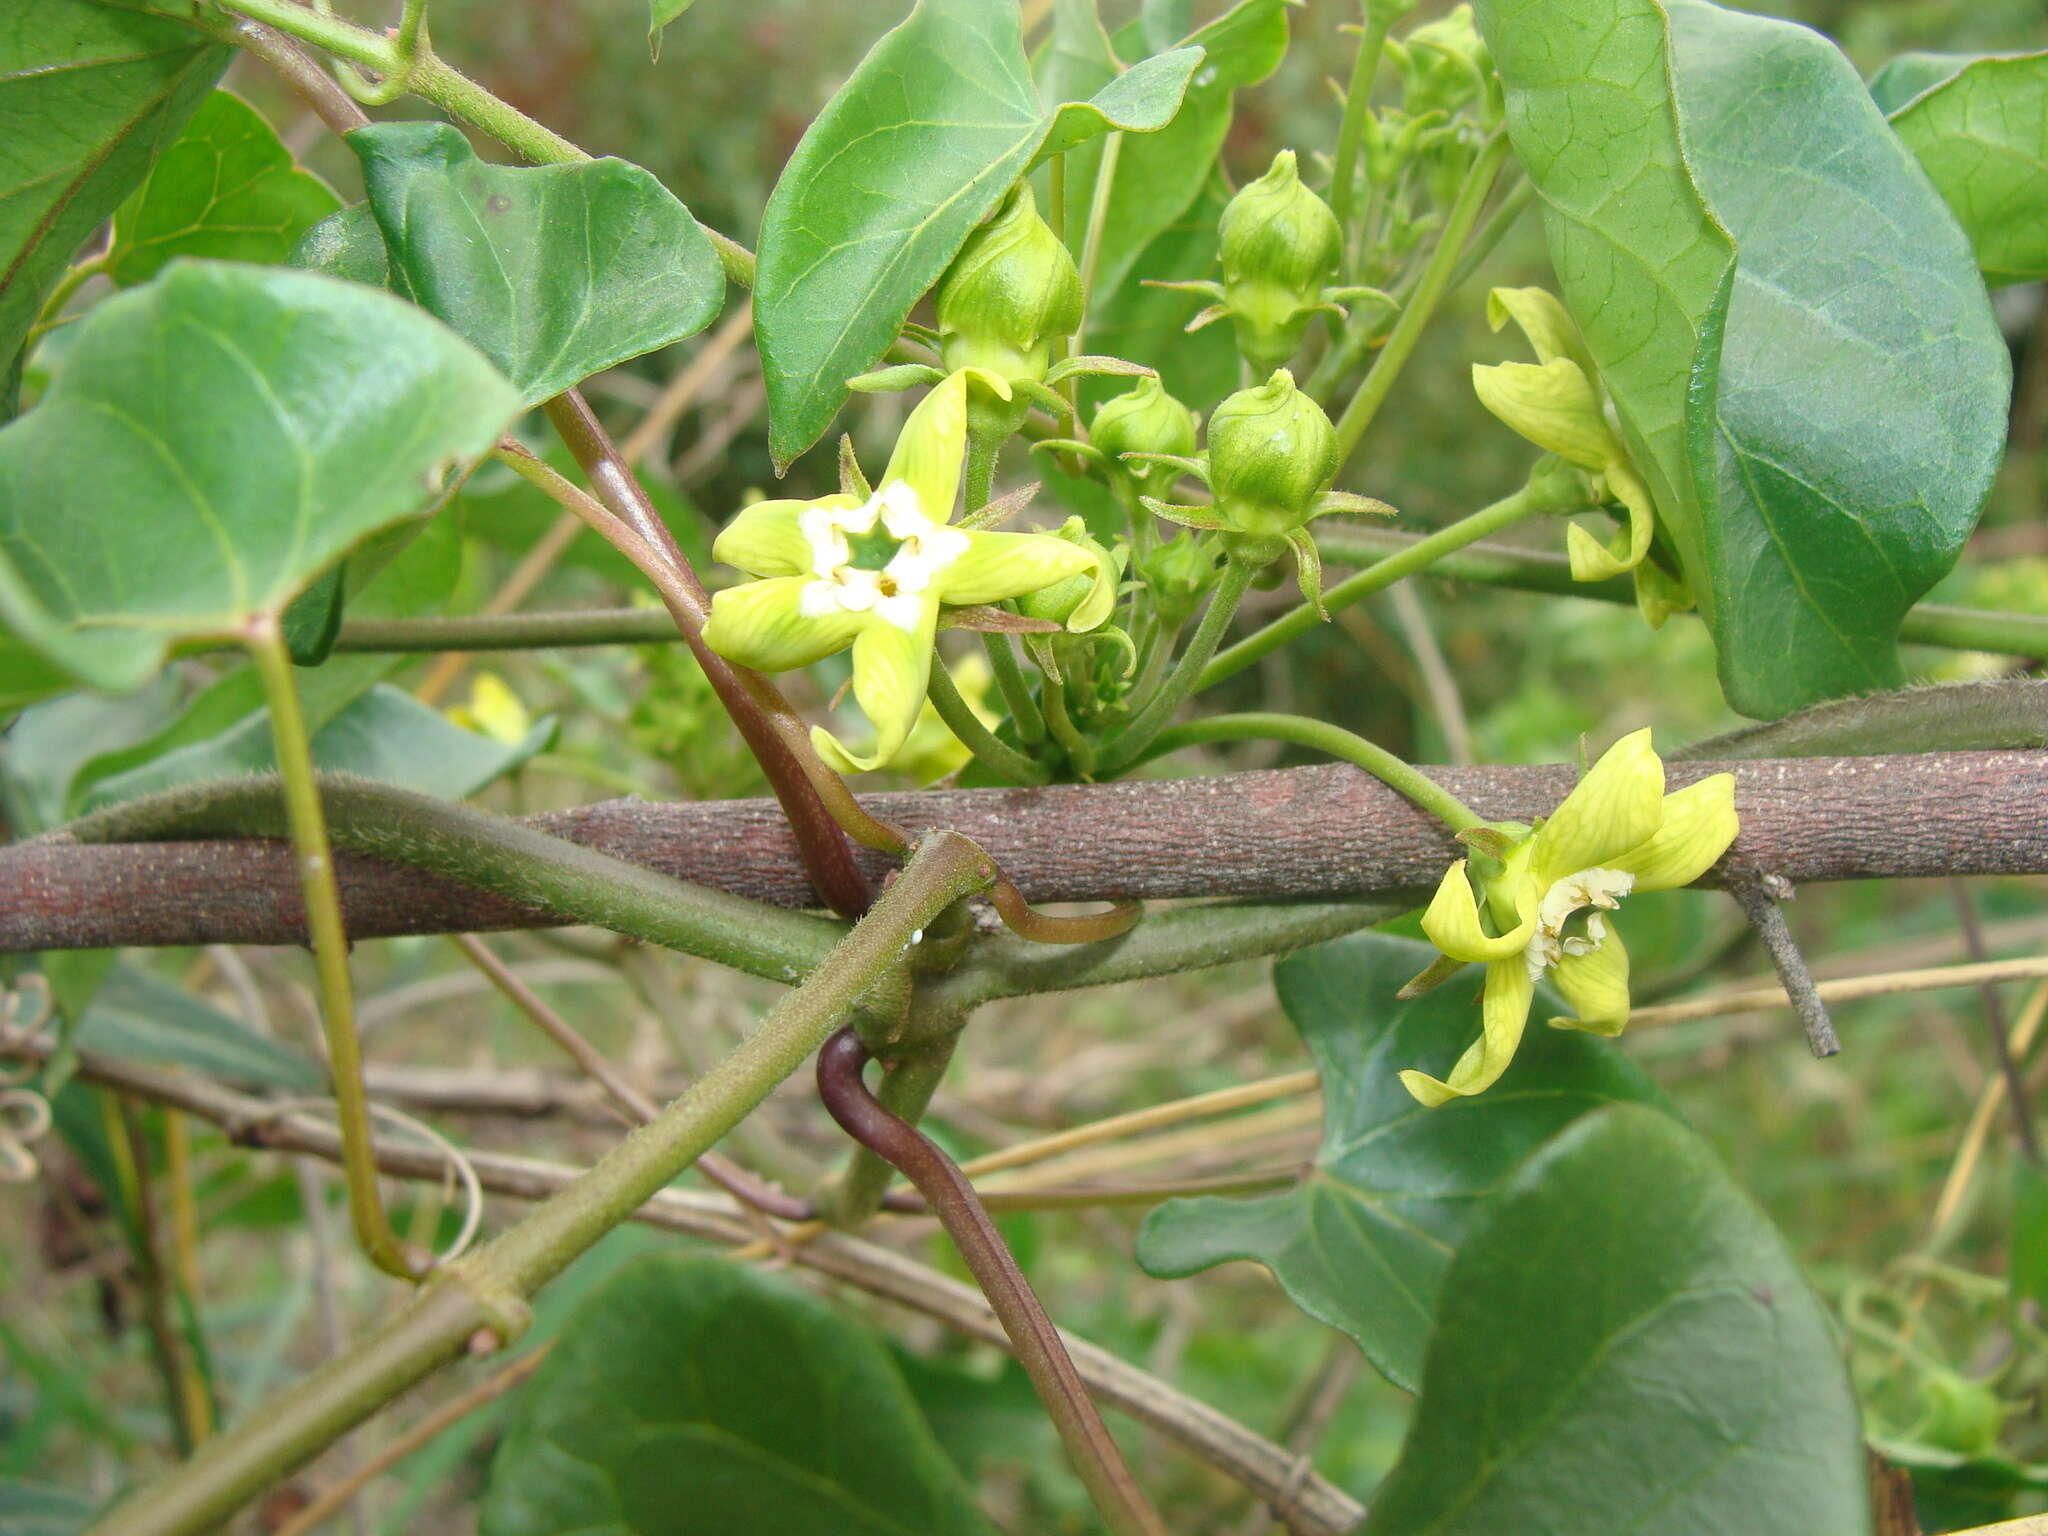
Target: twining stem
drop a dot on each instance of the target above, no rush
(1033, 1338)
(486, 1291)
(1372, 43)
(1527, 501)
(1131, 745)
(1333, 740)
(1005, 761)
(307, 823)
(1416, 314)
(852, 1194)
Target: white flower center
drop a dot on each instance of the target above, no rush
(844, 541)
(1589, 890)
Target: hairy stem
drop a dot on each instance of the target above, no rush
(1006, 762)
(1130, 747)
(1319, 736)
(1033, 1338)
(1375, 578)
(1014, 687)
(487, 1291)
(1386, 368)
(306, 822)
(855, 1192)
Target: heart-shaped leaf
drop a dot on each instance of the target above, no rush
(916, 148)
(556, 272)
(1363, 1242)
(214, 440)
(225, 188)
(88, 95)
(1788, 318)
(1980, 131)
(1625, 1345)
(692, 1394)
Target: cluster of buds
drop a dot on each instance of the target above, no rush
(1558, 403)
(1280, 247)
(1271, 455)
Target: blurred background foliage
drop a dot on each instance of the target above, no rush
(1848, 1156)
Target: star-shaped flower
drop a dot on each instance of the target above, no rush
(873, 573)
(1548, 890)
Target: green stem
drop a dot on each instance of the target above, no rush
(1130, 746)
(1332, 740)
(1014, 687)
(1080, 752)
(1374, 578)
(73, 279)
(507, 631)
(1098, 220)
(1379, 380)
(308, 827)
(1351, 132)
(1006, 762)
(565, 879)
(487, 1291)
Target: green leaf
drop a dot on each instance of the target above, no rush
(556, 272)
(140, 1016)
(1159, 177)
(215, 440)
(225, 188)
(659, 14)
(1907, 75)
(935, 125)
(348, 244)
(690, 1394)
(89, 94)
(1788, 319)
(1981, 134)
(1625, 1345)
(1362, 1244)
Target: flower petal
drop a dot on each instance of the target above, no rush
(891, 666)
(1596, 986)
(761, 624)
(1452, 922)
(999, 565)
(1543, 319)
(931, 448)
(1504, 1015)
(1551, 404)
(767, 539)
(1699, 824)
(1617, 806)
(1594, 561)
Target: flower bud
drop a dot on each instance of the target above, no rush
(1271, 452)
(1012, 288)
(1082, 601)
(1145, 420)
(1280, 241)
(1444, 64)
(1178, 572)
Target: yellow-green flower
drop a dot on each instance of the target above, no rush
(1556, 404)
(1615, 834)
(872, 574)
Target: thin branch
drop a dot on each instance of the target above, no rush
(1322, 833)
(1848, 989)
(1758, 894)
(1994, 1023)
(1318, 1508)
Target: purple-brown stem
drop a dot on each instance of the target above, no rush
(1033, 1338)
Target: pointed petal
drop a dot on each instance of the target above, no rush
(932, 447)
(891, 666)
(1452, 922)
(1551, 404)
(1594, 561)
(761, 624)
(1543, 319)
(767, 539)
(999, 565)
(1616, 807)
(1699, 824)
(1504, 1015)
(1596, 986)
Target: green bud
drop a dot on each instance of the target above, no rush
(1144, 420)
(1010, 290)
(1960, 1414)
(1178, 572)
(1082, 601)
(1271, 453)
(1280, 241)
(1444, 65)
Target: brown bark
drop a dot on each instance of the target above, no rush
(1320, 832)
